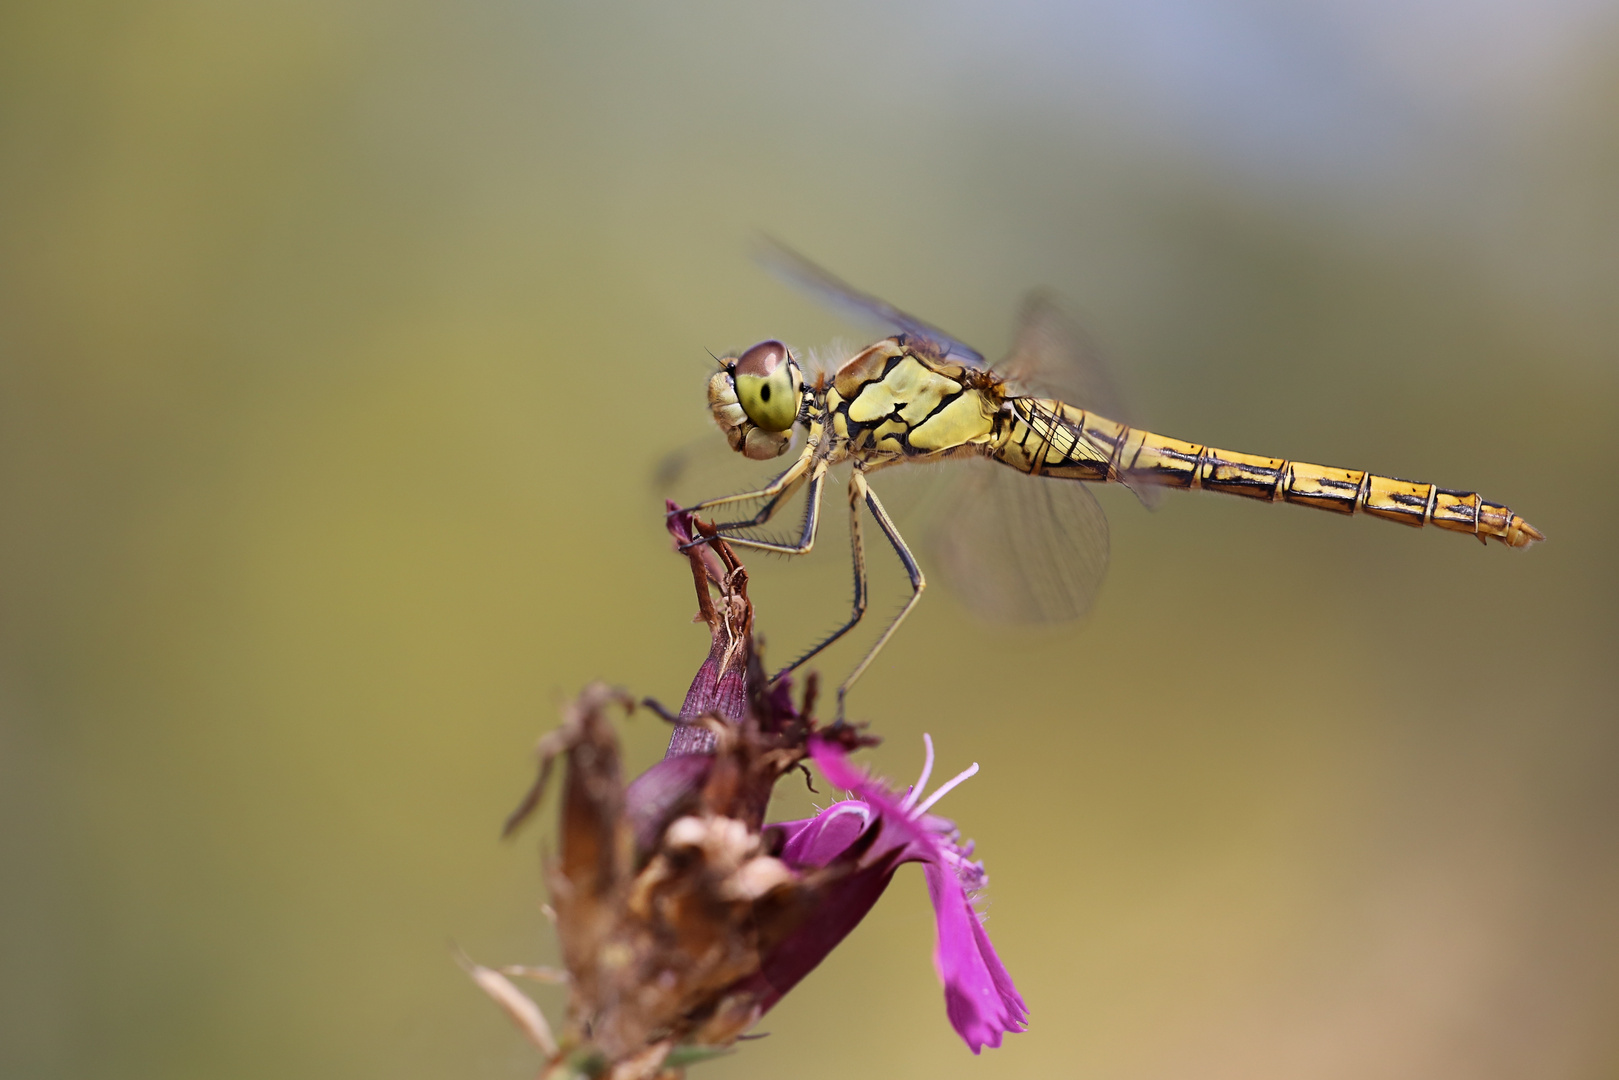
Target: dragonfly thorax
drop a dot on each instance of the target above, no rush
(901, 400)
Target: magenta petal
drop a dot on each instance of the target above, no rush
(812, 843)
(835, 766)
(979, 999)
(1016, 1010)
(808, 945)
(827, 835)
(790, 830)
(657, 795)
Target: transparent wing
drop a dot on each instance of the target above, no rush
(1052, 357)
(831, 290)
(1018, 548)
(700, 469)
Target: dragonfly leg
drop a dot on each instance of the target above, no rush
(806, 537)
(779, 488)
(859, 489)
(857, 549)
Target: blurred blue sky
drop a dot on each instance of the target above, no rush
(1478, 126)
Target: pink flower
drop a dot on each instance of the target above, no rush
(896, 828)
(683, 917)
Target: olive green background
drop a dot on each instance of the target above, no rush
(338, 340)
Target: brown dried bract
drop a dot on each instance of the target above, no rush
(721, 685)
(658, 941)
(668, 894)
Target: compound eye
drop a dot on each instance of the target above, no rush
(767, 385)
(763, 359)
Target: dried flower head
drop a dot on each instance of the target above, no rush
(682, 917)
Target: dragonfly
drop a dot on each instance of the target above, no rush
(1027, 540)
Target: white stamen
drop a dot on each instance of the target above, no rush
(921, 781)
(859, 809)
(945, 788)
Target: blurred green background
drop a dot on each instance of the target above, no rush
(337, 342)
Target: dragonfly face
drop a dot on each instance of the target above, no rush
(755, 399)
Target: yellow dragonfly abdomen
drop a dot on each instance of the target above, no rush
(1052, 438)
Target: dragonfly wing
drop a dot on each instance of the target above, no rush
(1053, 357)
(836, 293)
(682, 469)
(1018, 548)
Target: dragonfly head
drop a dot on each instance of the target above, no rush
(755, 399)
